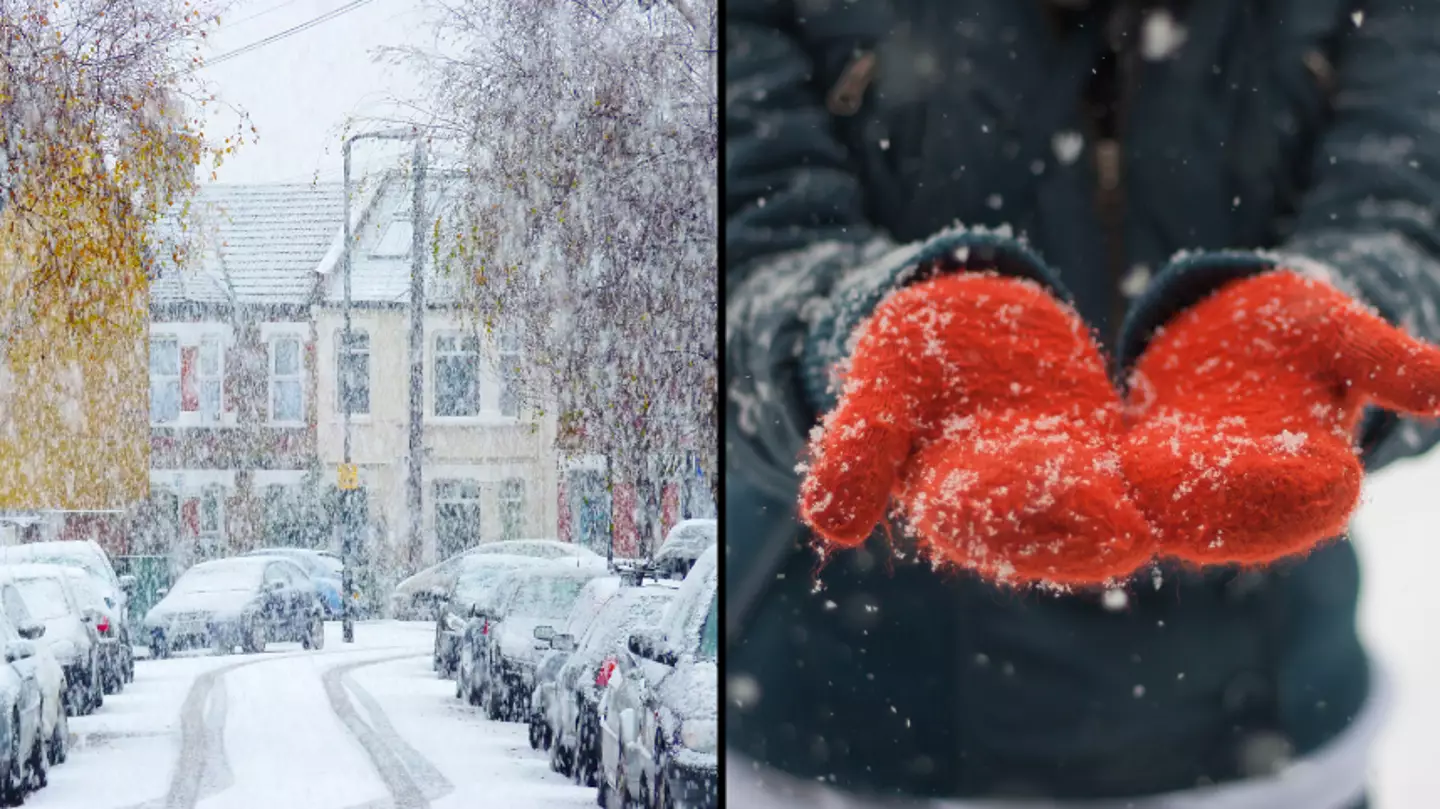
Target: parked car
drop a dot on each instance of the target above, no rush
(553, 652)
(683, 545)
(479, 578)
(659, 713)
(48, 598)
(415, 598)
(529, 604)
(567, 706)
(88, 556)
(54, 723)
(113, 653)
(324, 569)
(245, 601)
(23, 764)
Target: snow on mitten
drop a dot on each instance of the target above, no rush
(1245, 410)
(981, 405)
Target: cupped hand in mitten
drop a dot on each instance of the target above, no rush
(1245, 409)
(979, 407)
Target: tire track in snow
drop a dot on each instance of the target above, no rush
(412, 780)
(201, 770)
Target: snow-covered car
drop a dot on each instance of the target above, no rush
(570, 711)
(114, 654)
(593, 598)
(54, 723)
(416, 598)
(531, 602)
(660, 710)
(70, 632)
(683, 545)
(245, 601)
(479, 578)
(23, 763)
(87, 555)
(324, 570)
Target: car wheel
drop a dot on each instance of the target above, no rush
(97, 688)
(159, 648)
(59, 740)
(254, 637)
(39, 764)
(315, 637)
(561, 760)
(12, 785)
(493, 709)
(535, 733)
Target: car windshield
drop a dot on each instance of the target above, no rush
(219, 579)
(628, 610)
(86, 592)
(475, 584)
(544, 596)
(709, 633)
(45, 598)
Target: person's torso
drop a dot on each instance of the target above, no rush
(976, 111)
(911, 682)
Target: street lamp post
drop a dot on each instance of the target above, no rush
(349, 520)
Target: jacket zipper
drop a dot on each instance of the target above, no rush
(1110, 176)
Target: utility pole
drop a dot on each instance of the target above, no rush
(350, 521)
(416, 490)
(347, 505)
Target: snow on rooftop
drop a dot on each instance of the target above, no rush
(261, 241)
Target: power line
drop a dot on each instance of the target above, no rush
(262, 12)
(304, 26)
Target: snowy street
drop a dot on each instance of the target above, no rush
(361, 725)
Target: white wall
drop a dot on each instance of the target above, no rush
(487, 448)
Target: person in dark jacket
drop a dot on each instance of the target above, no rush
(1135, 160)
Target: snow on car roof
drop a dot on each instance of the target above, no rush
(38, 570)
(84, 553)
(689, 539)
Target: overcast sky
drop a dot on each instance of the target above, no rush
(300, 90)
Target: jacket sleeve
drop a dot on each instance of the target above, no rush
(1368, 222)
(804, 264)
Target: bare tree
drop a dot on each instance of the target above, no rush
(587, 229)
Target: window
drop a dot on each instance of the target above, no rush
(396, 241)
(287, 402)
(457, 516)
(212, 379)
(512, 507)
(164, 380)
(212, 511)
(510, 374)
(352, 372)
(457, 375)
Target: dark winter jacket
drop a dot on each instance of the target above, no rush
(858, 134)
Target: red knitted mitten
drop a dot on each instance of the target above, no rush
(982, 405)
(1245, 409)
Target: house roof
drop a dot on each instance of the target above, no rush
(380, 262)
(255, 244)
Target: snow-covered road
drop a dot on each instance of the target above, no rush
(360, 726)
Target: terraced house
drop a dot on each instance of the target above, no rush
(232, 375)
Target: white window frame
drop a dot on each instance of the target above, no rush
(459, 498)
(298, 377)
(177, 379)
(512, 496)
(341, 351)
(216, 378)
(437, 354)
(509, 357)
(218, 530)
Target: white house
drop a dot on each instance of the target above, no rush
(489, 469)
